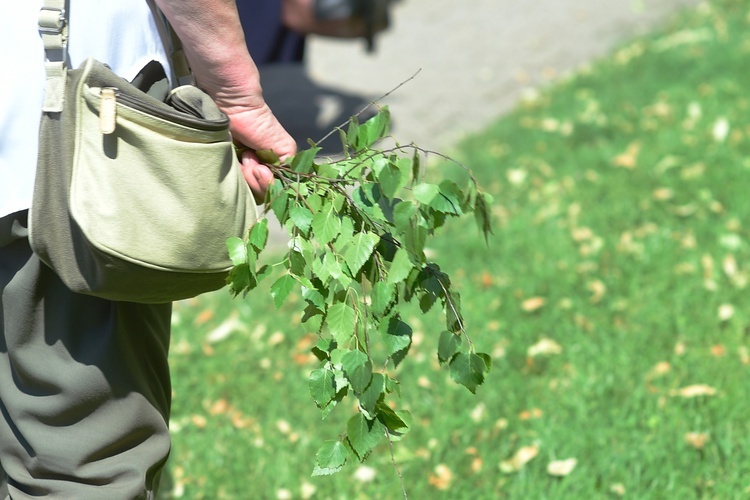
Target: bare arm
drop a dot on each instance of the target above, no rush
(214, 43)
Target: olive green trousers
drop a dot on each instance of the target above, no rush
(84, 385)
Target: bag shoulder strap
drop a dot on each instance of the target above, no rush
(53, 29)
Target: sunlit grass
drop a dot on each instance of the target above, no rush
(613, 297)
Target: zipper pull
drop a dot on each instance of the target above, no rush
(108, 111)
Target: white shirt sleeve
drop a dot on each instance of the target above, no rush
(122, 34)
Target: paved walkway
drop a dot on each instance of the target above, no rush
(476, 58)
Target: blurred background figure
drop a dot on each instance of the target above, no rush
(275, 29)
(278, 33)
(268, 38)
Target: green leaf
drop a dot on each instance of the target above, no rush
(301, 217)
(358, 370)
(267, 156)
(403, 216)
(416, 168)
(321, 386)
(396, 338)
(374, 129)
(364, 434)
(487, 360)
(482, 214)
(370, 397)
(320, 268)
(263, 272)
(341, 319)
(320, 471)
(303, 161)
(259, 235)
(448, 346)
(381, 296)
(281, 288)
(326, 225)
(360, 249)
(448, 199)
(415, 241)
(345, 235)
(398, 423)
(469, 370)
(241, 280)
(352, 133)
(400, 267)
(278, 201)
(314, 297)
(367, 197)
(425, 193)
(453, 319)
(322, 349)
(391, 179)
(330, 458)
(237, 250)
(334, 269)
(296, 262)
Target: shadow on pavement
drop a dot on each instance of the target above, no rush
(306, 109)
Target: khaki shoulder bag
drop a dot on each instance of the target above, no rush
(137, 187)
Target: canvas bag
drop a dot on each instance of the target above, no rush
(135, 196)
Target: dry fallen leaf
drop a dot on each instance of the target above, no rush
(663, 194)
(726, 311)
(545, 347)
(629, 158)
(519, 460)
(529, 414)
(442, 477)
(240, 421)
(582, 233)
(729, 264)
(533, 304)
(618, 489)
(718, 350)
(364, 474)
(226, 328)
(744, 355)
(479, 412)
(199, 421)
(487, 280)
(275, 339)
(697, 439)
(561, 468)
(219, 407)
(680, 348)
(720, 129)
(597, 289)
(204, 316)
(661, 368)
(693, 391)
(307, 490)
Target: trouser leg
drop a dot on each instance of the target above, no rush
(84, 384)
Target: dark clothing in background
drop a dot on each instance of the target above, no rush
(268, 40)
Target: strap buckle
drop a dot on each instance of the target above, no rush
(51, 20)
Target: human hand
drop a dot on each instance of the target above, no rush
(257, 128)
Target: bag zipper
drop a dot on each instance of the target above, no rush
(111, 96)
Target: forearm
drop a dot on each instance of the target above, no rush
(214, 43)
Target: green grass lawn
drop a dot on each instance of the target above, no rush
(613, 298)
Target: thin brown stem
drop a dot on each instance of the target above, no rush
(395, 464)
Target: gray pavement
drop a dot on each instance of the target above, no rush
(476, 59)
